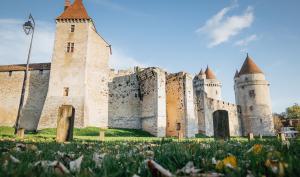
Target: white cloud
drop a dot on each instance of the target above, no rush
(246, 41)
(14, 43)
(120, 60)
(220, 28)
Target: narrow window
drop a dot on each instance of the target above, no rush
(178, 126)
(216, 92)
(252, 94)
(70, 47)
(251, 108)
(41, 72)
(10, 73)
(72, 28)
(239, 109)
(66, 91)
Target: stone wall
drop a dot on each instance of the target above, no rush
(153, 100)
(181, 117)
(190, 110)
(137, 100)
(213, 105)
(10, 93)
(124, 100)
(96, 80)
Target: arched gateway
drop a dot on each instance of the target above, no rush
(221, 124)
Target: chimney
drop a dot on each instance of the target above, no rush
(67, 4)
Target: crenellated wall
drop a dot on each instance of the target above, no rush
(213, 105)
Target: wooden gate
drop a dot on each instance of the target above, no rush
(221, 124)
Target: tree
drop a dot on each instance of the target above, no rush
(277, 118)
(293, 112)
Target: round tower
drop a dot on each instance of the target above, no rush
(212, 86)
(207, 82)
(253, 99)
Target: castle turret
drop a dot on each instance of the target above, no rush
(79, 70)
(208, 82)
(253, 100)
(201, 75)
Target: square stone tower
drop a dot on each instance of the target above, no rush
(79, 70)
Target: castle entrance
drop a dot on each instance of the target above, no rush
(65, 123)
(221, 124)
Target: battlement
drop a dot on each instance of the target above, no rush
(220, 103)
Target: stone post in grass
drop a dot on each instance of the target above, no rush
(102, 134)
(260, 136)
(20, 133)
(250, 137)
(282, 136)
(65, 124)
(180, 135)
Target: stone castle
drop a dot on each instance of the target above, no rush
(151, 99)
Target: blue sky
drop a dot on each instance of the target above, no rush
(178, 36)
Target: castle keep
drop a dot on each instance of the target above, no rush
(151, 99)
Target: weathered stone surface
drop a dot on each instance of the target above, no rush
(65, 123)
(84, 73)
(254, 100)
(205, 107)
(250, 136)
(181, 117)
(35, 94)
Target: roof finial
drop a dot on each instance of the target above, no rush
(67, 4)
(247, 55)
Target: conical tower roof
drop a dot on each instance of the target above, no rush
(236, 74)
(75, 11)
(249, 67)
(210, 74)
(201, 72)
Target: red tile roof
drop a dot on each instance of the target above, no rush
(210, 74)
(249, 67)
(75, 11)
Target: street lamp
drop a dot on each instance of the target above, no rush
(28, 28)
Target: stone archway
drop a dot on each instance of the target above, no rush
(221, 124)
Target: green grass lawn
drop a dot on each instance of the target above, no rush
(125, 153)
